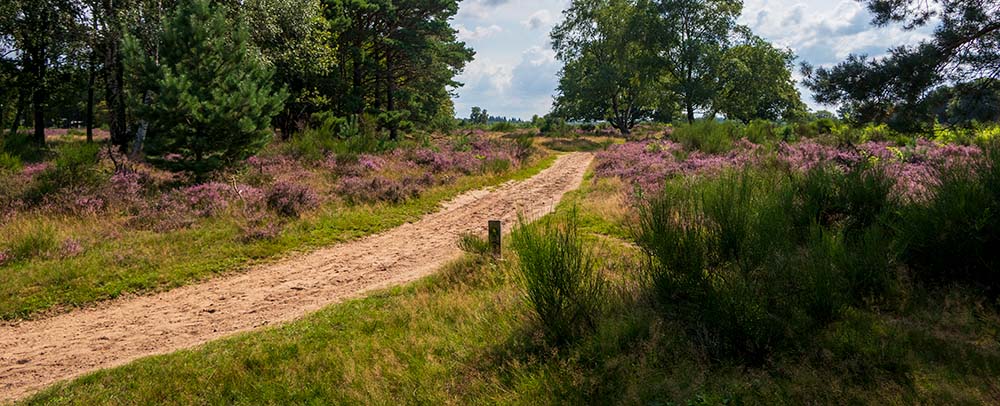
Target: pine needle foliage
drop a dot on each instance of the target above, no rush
(208, 99)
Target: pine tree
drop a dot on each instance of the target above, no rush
(210, 99)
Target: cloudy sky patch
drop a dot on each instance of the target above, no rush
(515, 73)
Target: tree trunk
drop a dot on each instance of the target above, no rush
(390, 98)
(140, 133)
(115, 78)
(356, 83)
(90, 97)
(690, 112)
(91, 79)
(22, 103)
(39, 94)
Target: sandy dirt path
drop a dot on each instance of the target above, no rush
(35, 354)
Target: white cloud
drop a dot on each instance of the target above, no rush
(517, 90)
(822, 33)
(480, 32)
(540, 19)
(515, 72)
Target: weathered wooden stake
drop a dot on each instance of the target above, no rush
(495, 234)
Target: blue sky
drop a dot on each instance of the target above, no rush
(515, 70)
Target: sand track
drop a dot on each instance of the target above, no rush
(35, 354)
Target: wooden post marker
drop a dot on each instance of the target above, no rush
(495, 234)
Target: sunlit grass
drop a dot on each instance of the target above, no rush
(466, 336)
(116, 260)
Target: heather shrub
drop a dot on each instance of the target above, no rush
(708, 136)
(953, 236)
(358, 189)
(126, 190)
(205, 200)
(291, 199)
(559, 278)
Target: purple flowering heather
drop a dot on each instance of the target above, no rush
(89, 205)
(207, 199)
(647, 164)
(291, 199)
(371, 162)
(71, 248)
(33, 170)
(808, 154)
(379, 188)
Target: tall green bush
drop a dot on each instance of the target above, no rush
(754, 261)
(559, 277)
(75, 165)
(954, 236)
(209, 99)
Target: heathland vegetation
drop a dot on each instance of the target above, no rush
(728, 246)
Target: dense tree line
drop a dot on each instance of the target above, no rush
(631, 60)
(390, 61)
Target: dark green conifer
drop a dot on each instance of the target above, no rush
(209, 99)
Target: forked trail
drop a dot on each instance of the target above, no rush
(35, 354)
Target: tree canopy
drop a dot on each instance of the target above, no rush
(631, 60)
(391, 62)
(210, 100)
(899, 88)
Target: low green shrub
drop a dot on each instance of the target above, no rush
(474, 244)
(708, 136)
(496, 165)
(761, 131)
(75, 165)
(21, 146)
(559, 278)
(503, 126)
(33, 241)
(553, 127)
(854, 199)
(10, 163)
(330, 134)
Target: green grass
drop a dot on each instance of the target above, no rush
(145, 261)
(466, 336)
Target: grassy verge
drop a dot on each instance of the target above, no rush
(466, 336)
(145, 261)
